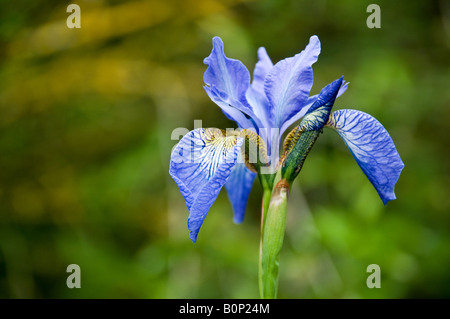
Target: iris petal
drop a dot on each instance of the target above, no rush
(238, 189)
(372, 147)
(227, 82)
(201, 163)
(256, 96)
(262, 68)
(230, 112)
(288, 84)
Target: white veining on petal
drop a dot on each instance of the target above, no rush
(200, 164)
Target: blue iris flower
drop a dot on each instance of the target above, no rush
(206, 159)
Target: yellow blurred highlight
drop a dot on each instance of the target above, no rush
(36, 87)
(105, 76)
(100, 24)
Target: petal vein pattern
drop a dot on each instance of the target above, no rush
(200, 164)
(372, 147)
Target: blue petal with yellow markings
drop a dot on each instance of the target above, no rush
(201, 164)
(372, 147)
(238, 189)
(289, 82)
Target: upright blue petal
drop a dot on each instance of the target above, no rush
(262, 68)
(227, 81)
(256, 95)
(238, 189)
(372, 147)
(343, 88)
(200, 164)
(288, 84)
(229, 76)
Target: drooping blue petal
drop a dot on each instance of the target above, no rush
(288, 84)
(372, 147)
(200, 164)
(238, 189)
(227, 81)
(309, 103)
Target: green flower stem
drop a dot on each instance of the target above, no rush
(267, 184)
(264, 207)
(272, 238)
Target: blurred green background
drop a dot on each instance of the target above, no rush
(86, 117)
